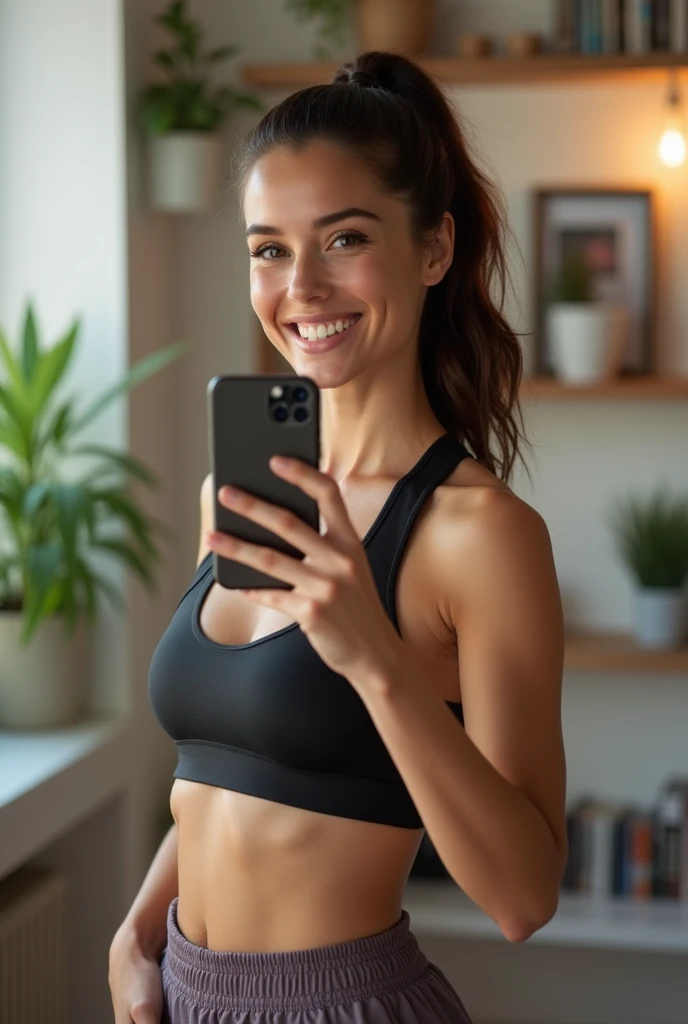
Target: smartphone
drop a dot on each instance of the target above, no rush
(251, 418)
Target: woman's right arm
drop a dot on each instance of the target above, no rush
(145, 926)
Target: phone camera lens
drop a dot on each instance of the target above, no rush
(280, 412)
(299, 394)
(300, 413)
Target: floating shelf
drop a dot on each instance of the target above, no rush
(438, 907)
(623, 387)
(642, 67)
(610, 652)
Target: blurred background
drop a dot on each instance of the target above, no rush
(117, 213)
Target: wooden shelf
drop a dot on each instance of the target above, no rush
(438, 907)
(642, 67)
(624, 387)
(612, 652)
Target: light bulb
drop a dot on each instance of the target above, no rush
(672, 145)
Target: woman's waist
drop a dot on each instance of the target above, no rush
(254, 874)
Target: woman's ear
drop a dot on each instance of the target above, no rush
(440, 251)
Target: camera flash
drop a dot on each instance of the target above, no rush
(277, 391)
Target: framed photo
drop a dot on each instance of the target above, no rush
(614, 229)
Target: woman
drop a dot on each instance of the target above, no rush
(322, 728)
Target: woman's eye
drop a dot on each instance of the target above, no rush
(263, 251)
(348, 238)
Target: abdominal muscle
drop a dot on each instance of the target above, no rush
(259, 876)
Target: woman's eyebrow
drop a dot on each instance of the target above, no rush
(321, 222)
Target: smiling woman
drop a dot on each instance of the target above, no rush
(409, 677)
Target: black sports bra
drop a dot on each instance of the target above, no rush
(269, 718)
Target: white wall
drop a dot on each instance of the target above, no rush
(62, 227)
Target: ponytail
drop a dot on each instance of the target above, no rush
(385, 107)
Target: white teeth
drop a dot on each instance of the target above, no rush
(312, 332)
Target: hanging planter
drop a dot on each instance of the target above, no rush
(183, 116)
(184, 170)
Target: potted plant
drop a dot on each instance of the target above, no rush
(651, 538)
(401, 25)
(586, 336)
(182, 116)
(49, 524)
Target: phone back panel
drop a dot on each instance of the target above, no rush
(242, 436)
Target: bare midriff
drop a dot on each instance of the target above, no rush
(258, 876)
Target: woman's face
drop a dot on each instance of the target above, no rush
(337, 279)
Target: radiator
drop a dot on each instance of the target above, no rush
(33, 947)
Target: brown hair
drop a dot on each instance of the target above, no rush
(392, 113)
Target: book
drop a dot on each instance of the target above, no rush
(678, 31)
(660, 25)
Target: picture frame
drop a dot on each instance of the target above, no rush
(615, 227)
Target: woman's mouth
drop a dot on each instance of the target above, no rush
(323, 335)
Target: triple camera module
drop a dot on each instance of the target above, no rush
(290, 403)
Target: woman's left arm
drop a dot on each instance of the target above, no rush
(492, 796)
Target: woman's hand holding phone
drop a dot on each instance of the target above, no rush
(333, 597)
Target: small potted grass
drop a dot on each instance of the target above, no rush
(651, 537)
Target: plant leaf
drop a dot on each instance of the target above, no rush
(139, 372)
(123, 460)
(29, 352)
(51, 367)
(128, 554)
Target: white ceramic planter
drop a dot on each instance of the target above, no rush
(44, 683)
(586, 340)
(184, 171)
(660, 616)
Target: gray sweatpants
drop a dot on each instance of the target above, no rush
(378, 979)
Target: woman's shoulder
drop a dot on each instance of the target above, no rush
(471, 505)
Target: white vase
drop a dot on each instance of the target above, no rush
(660, 616)
(586, 340)
(42, 684)
(184, 171)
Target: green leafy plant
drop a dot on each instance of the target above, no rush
(334, 17)
(573, 280)
(651, 537)
(188, 101)
(50, 523)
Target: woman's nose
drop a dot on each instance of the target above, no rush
(308, 281)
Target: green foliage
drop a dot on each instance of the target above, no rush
(50, 523)
(651, 537)
(188, 101)
(335, 22)
(573, 280)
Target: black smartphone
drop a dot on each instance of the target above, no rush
(251, 418)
